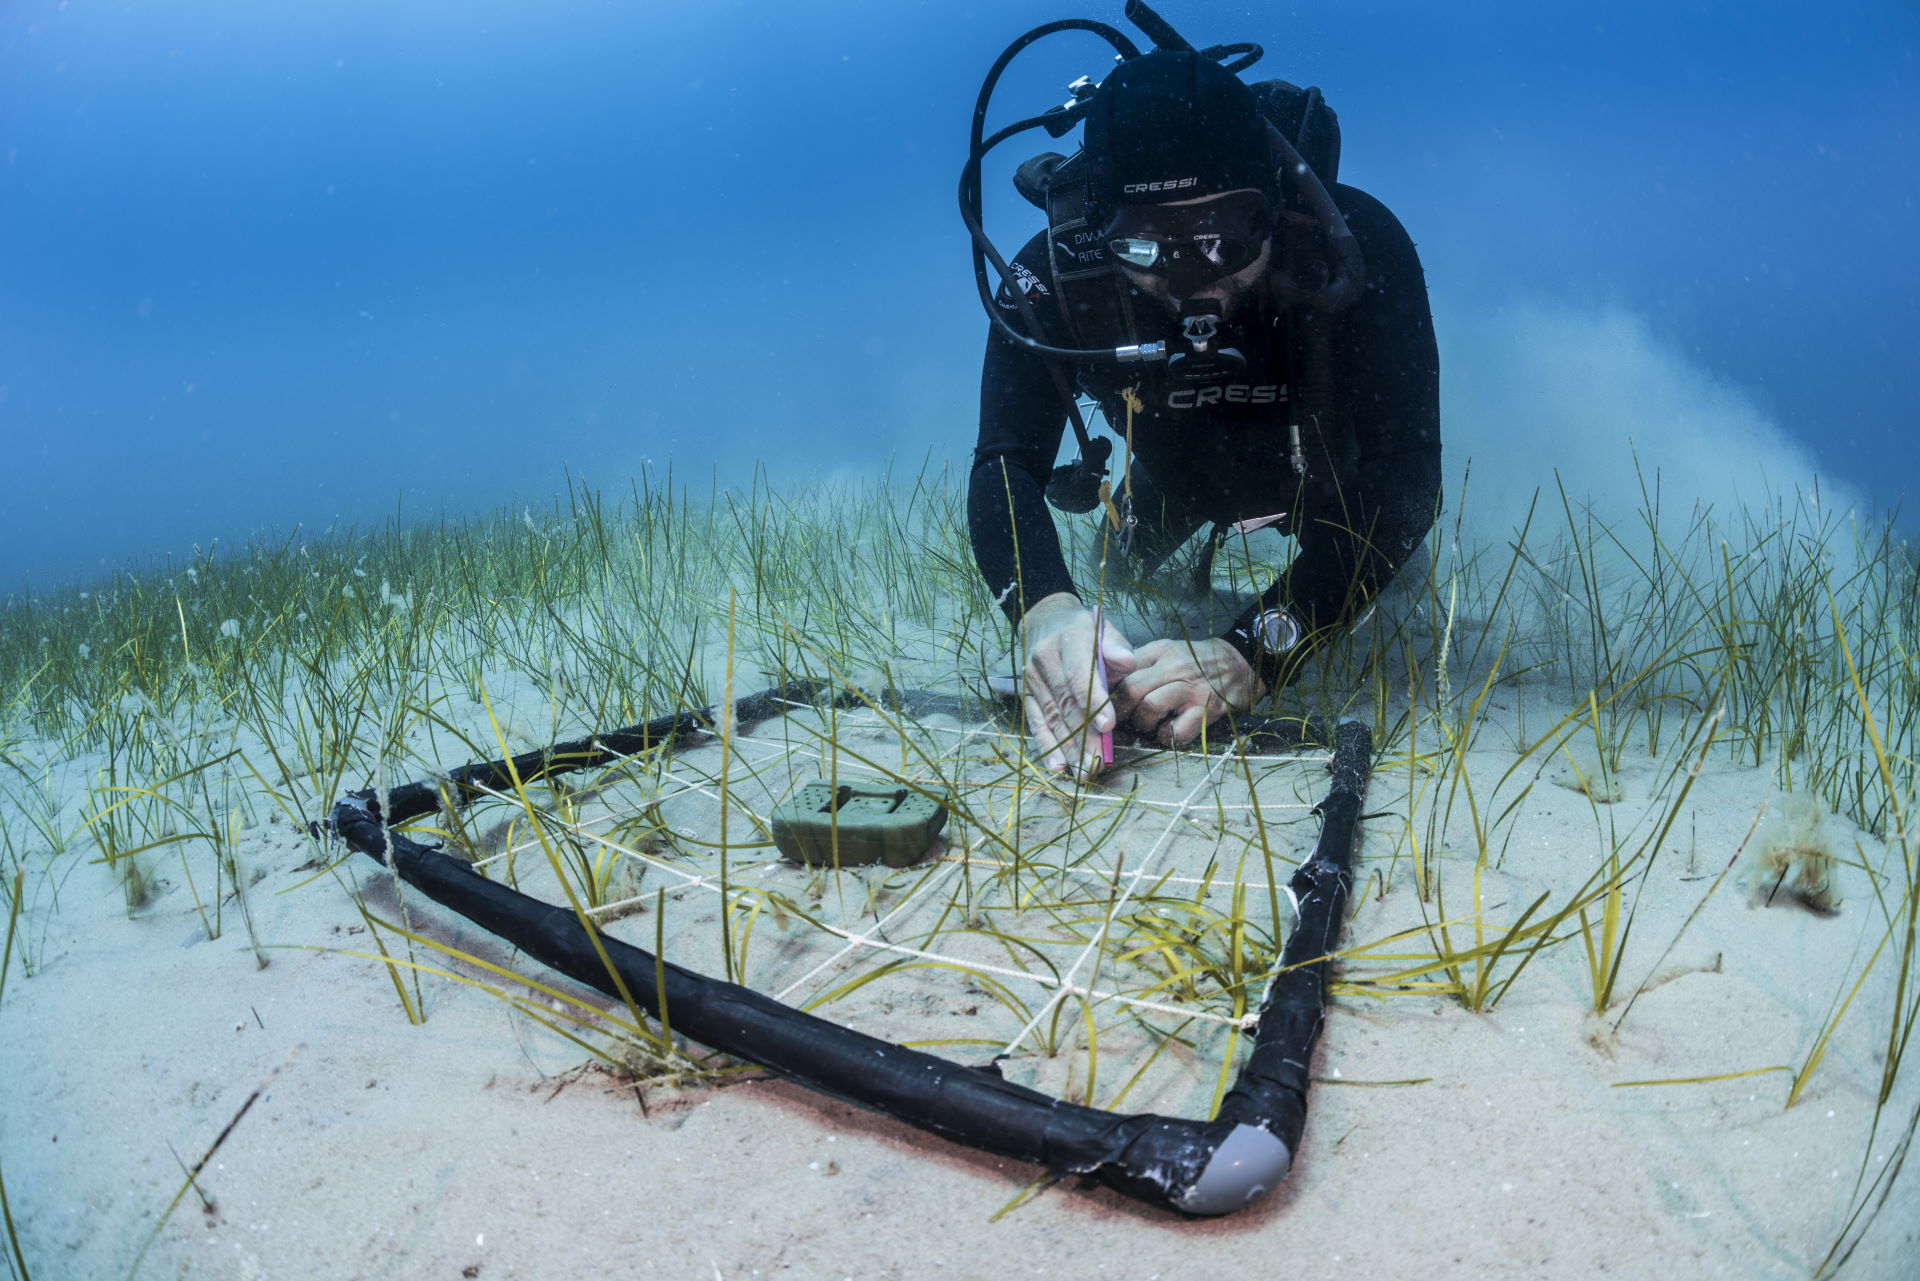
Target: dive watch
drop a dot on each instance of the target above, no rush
(1265, 640)
(1276, 632)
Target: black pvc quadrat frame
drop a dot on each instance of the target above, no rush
(1192, 1167)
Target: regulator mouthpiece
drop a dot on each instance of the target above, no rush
(1204, 361)
(1198, 326)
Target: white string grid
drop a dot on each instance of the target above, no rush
(1148, 897)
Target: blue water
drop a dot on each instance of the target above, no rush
(276, 265)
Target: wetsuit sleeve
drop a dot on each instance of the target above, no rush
(1386, 386)
(1021, 422)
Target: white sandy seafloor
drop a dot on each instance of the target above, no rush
(474, 1145)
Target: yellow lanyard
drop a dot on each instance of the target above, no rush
(1131, 395)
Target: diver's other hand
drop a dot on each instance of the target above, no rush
(1065, 697)
(1176, 687)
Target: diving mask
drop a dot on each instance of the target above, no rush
(1192, 244)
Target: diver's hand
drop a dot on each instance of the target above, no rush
(1175, 688)
(1066, 700)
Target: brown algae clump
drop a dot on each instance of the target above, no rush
(1792, 853)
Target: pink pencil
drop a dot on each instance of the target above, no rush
(1100, 658)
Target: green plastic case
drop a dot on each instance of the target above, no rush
(847, 826)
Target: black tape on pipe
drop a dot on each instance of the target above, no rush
(1202, 1167)
(1271, 1090)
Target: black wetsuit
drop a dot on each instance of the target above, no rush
(1224, 452)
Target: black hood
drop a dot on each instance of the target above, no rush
(1173, 125)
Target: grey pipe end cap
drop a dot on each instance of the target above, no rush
(1248, 1164)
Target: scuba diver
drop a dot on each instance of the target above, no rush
(1259, 337)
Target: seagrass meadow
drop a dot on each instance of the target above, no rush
(1627, 983)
